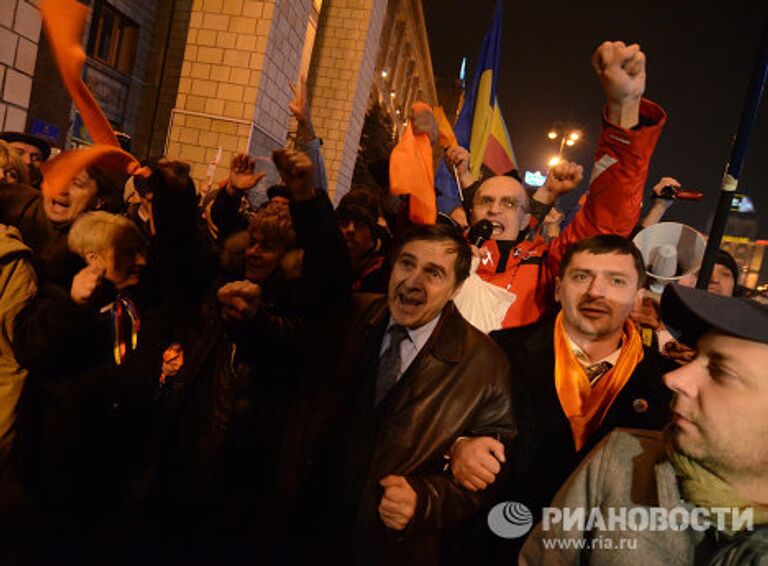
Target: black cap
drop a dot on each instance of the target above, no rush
(40, 143)
(689, 313)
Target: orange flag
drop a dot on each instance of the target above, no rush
(444, 129)
(411, 173)
(64, 21)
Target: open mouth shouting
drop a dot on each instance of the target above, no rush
(498, 227)
(409, 301)
(60, 205)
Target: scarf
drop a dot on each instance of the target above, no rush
(585, 405)
(705, 489)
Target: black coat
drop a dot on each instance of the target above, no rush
(85, 423)
(546, 441)
(222, 416)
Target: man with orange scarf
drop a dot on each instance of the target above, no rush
(579, 375)
(706, 474)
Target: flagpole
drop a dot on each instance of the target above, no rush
(462, 78)
(458, 183)
(738, 154)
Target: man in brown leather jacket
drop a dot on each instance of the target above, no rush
(391, 383)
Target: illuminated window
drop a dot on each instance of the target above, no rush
(113, 38)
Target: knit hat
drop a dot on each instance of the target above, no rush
(355, 206)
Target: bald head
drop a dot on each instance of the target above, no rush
(504, 202)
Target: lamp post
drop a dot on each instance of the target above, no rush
(569, 140)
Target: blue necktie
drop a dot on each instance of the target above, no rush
(389, 363)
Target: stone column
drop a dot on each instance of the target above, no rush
(233, 93)
(340, 81)
(20, 25)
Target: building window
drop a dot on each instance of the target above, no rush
(113, 38)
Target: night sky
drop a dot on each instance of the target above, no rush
(700, 58)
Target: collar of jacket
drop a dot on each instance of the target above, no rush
(447, 340)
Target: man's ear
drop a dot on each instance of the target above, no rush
(91, 257)
(525, 221)
(557, 288)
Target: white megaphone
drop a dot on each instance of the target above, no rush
(670, 251)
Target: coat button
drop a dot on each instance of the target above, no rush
(640, 405)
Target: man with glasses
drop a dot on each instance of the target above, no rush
(526, 266)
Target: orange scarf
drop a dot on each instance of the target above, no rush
(63, 21)
(585, 405)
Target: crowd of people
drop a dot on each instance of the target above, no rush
(191, 378)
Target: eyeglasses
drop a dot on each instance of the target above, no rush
(505, 202)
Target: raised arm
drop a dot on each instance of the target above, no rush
(631, 128)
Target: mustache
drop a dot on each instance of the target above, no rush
(595, 303)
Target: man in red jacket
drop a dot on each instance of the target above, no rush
(631, 126)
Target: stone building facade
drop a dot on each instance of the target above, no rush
(19, 37)
(199, 80)
(404, 64)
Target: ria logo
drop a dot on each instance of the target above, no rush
(510, 519)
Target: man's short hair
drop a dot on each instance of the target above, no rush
(98, 231)
(441, 233)
(606, 244)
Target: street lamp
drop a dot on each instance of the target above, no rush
(565, 140)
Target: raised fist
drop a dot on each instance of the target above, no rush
(295, 169)
(84, 284)
(564, 177)
(621, 70)
(458, 157)
(240, 300)
(423, 122)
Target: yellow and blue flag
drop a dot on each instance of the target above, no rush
(480, 126)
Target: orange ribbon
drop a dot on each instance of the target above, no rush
(64, 21)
